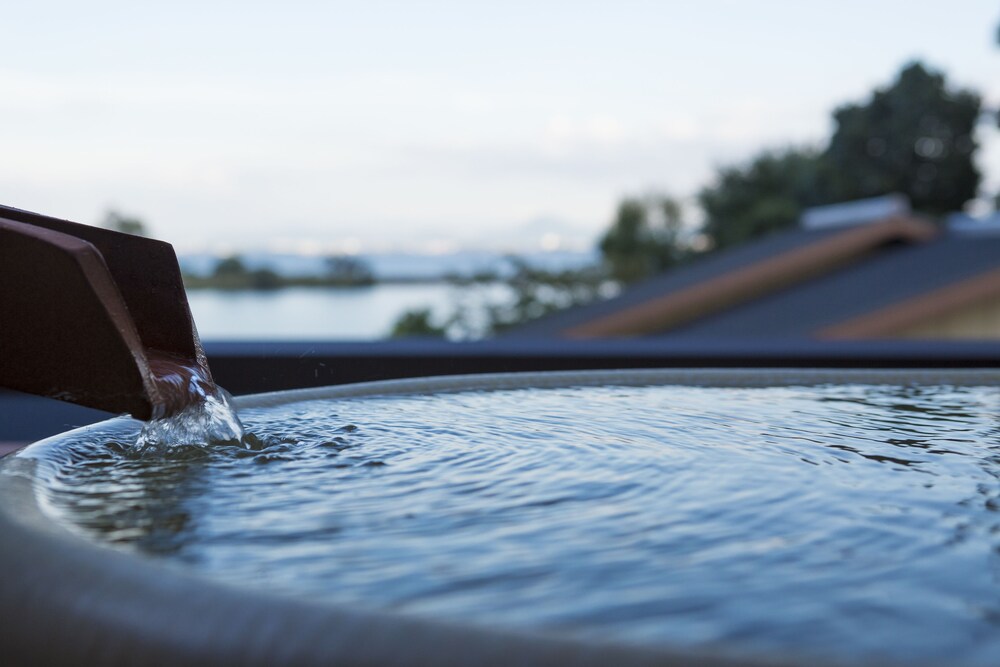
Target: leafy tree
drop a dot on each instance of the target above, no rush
(232, 273)
(417, 322)
(533, 293)
(765, 195)
(644, 238)
(914, 136)
(348, 270)
(124, 223)
(229, 267)
(265, 279)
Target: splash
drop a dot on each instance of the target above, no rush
(192, 411)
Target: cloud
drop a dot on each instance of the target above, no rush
(564, 134)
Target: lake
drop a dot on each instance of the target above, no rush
(356, 313)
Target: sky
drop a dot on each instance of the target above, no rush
(428, 126)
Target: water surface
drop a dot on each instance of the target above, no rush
(844, 521)
(304, 313)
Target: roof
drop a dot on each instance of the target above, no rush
(832, 305)
(838, 282)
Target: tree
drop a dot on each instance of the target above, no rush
(233, 273)
(348, 270)
(417, 322)
(124, 223)
(763, 196)
(230, 267)
(264, 279)
(644, 238)
(914, 136)
(533, 293)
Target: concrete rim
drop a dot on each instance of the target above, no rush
(711, 377)
(65, 599)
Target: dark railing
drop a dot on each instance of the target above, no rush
(252, 367)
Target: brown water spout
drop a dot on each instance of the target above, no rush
(95, 317)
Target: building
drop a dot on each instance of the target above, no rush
(863, 270)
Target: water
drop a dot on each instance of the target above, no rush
(189, 409)
(842, 521)
(319, 314)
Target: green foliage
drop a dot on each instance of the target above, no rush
(417, 323)
(532, 294)
(914, 137)
(230, 266)
(644, 238)
(265, 279)
(232, 273)
(763, 196)
(535, 293)
(124, 223)
(348, 270)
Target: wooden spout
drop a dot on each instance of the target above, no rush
(84, 310)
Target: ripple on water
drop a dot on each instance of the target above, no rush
(851, 521)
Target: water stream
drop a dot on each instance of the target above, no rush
(191, 410)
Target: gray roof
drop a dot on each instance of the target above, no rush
(895, 274)
(682, 277)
